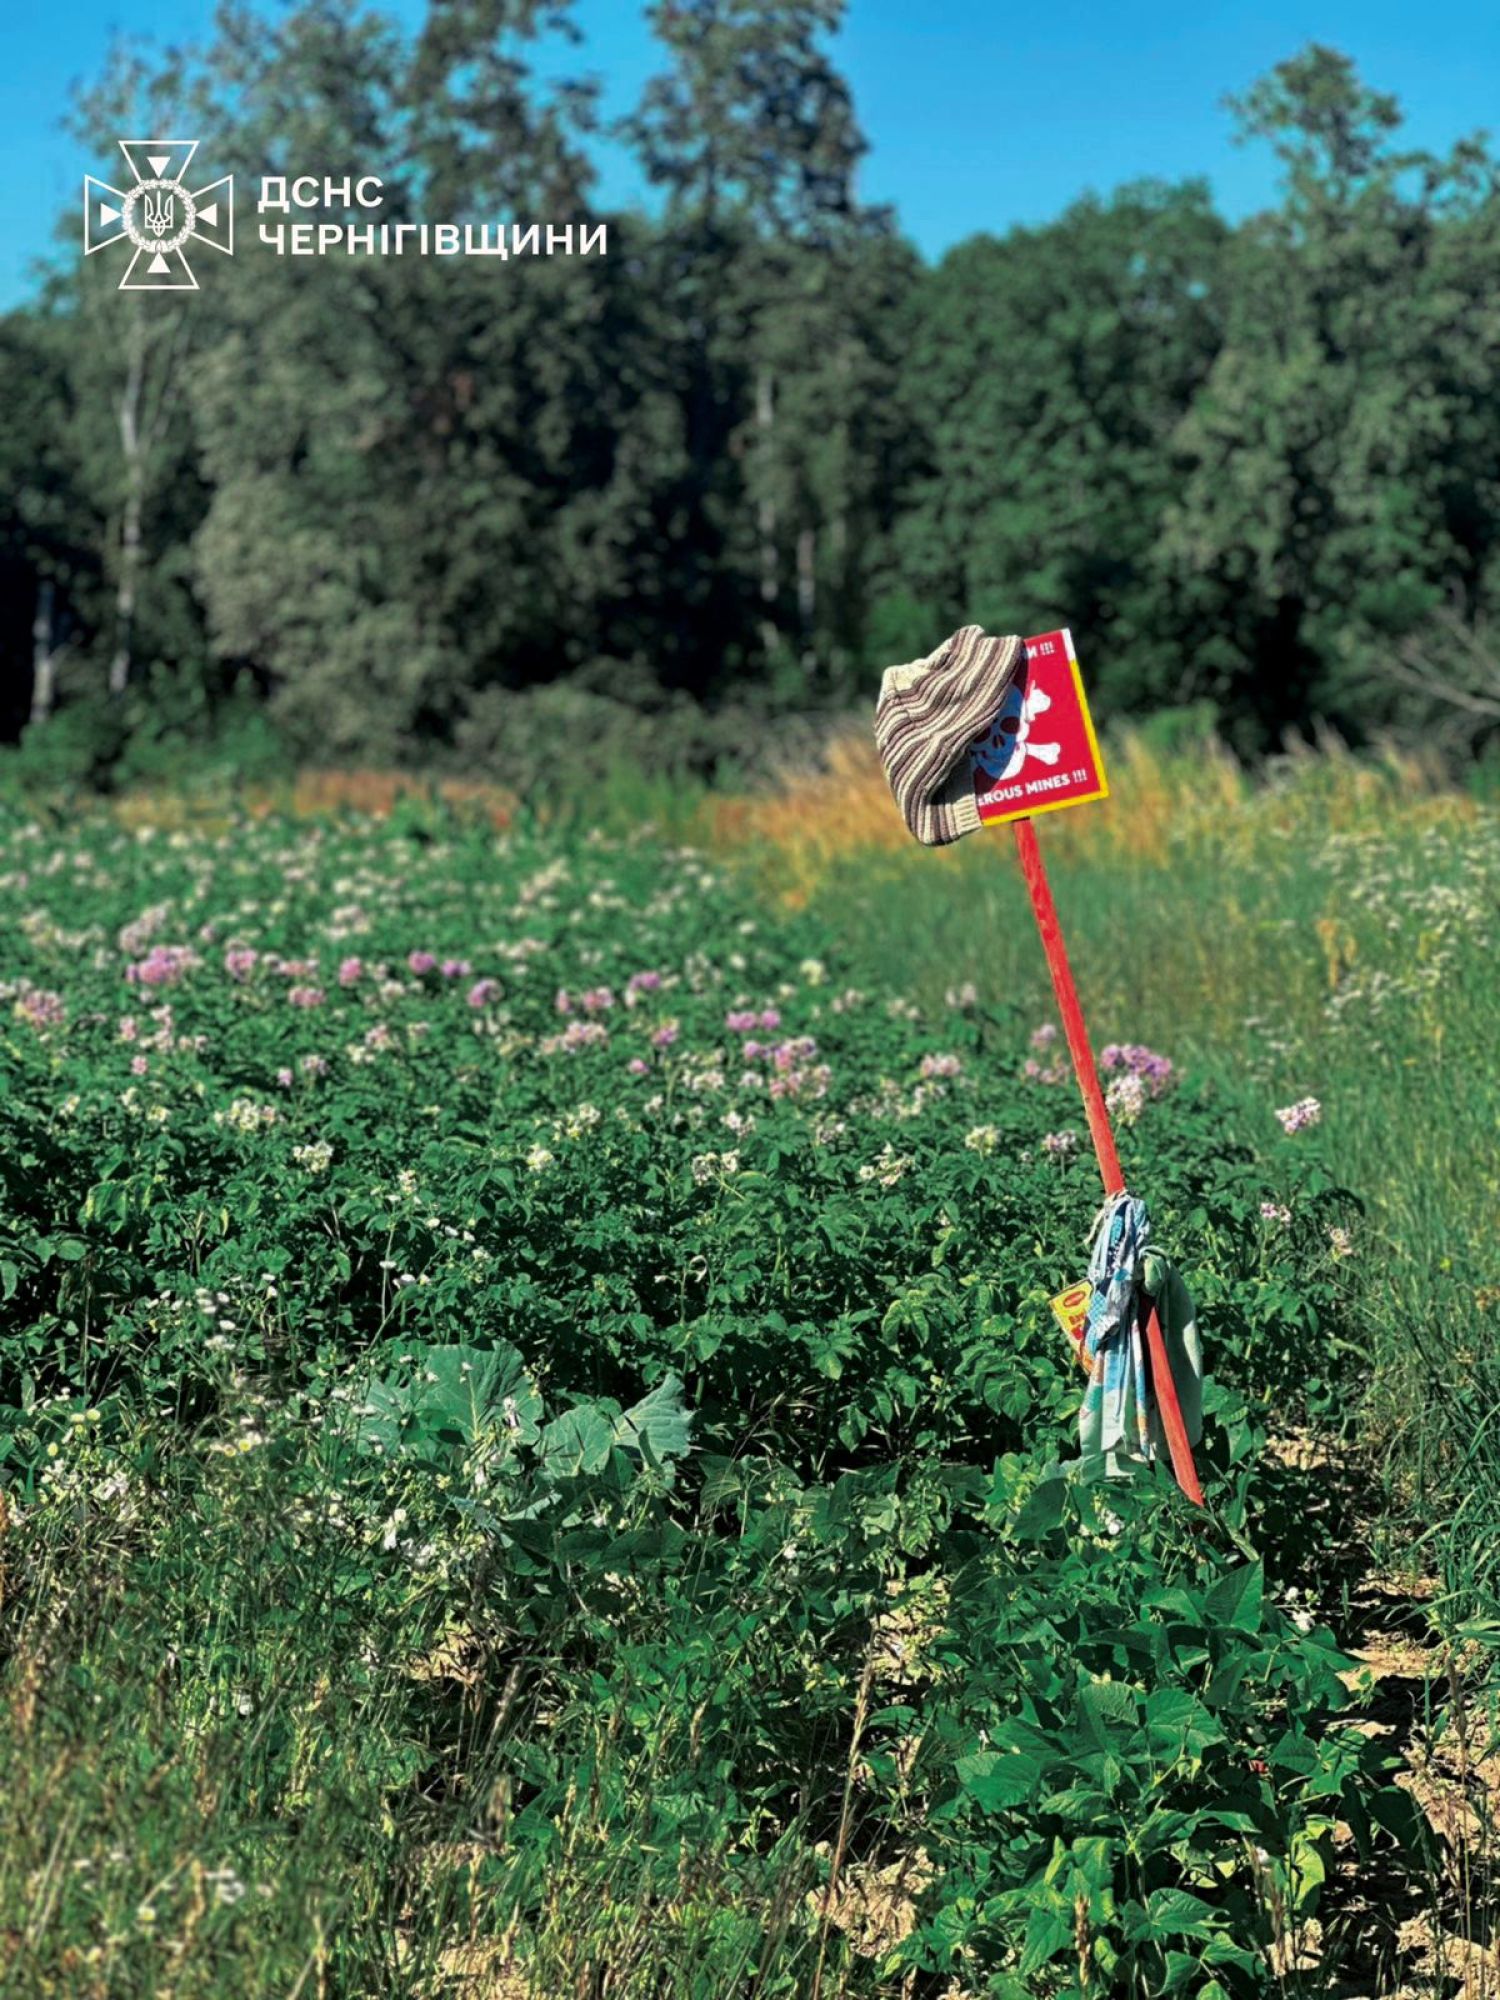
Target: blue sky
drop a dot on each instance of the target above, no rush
(980, 113)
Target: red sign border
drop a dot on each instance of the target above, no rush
(1065, 633)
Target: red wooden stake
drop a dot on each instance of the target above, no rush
(1081, 1051)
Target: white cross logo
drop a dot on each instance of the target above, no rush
(158, 215)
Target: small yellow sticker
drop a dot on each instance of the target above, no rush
(1071, 1311)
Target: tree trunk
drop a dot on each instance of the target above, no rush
(765, 423)
(44, 657)
(807, 579)
(133, 446)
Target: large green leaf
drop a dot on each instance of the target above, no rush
(464, 1388)
(1179, 1913)
(580, 1440)
(1237, 1599)
(658, 1426)
(997, 1782)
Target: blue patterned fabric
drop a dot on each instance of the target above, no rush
(1115, 1418)
(1118, 1425)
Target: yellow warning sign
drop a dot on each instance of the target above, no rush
(1071, 1311)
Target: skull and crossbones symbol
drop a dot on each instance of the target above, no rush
(1005, 746)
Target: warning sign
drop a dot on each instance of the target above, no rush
(1040, 752)
(1071, 1311)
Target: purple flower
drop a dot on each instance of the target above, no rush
(456, 968)
(139, 1065)
(935, 1066)
(314, 1065)
(1275, 1211)
(1154, 1071)
(665, 1035)
(1036, 1072)
(306, 996)
(239, 961)
(740, 1020)
(1044, 1036)
(812, 1082)
(41, 1008)
(163, 965)
(638, 1066)
(643, 982)
(420, 962)
(483, 991)
(562, 1000)
(284, 1078)
(584, 1034)
(797, 1049)
(136, 936)
(1058, 1145)
(351, 971)
(598, 1000)
(770, 1017)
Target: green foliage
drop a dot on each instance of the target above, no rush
(550, 1347)
(1334, 476)
(757, 450)
(1049, 368)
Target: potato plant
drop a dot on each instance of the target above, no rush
(563, 1262)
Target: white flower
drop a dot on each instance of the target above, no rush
(1297, 1117)
(1126, 1097)
(887, 1168)
(228, 1888)
(244, 1115)
(539, 1159)
(983, 1139)
(941, 1066)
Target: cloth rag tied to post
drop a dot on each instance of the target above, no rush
(1119, 1426)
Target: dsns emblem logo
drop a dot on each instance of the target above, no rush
(158, 215)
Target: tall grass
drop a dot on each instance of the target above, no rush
(1324, 927)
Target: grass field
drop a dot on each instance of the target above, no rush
(529, 1416)
(1328, 929)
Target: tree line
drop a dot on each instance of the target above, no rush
(726, 472)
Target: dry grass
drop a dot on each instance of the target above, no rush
(814, 817)
(306, 793)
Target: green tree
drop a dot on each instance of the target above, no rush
(1340, 484)
(484, 130)
(51, 537)
(1046, 373)
(783, 289)
(752, 116)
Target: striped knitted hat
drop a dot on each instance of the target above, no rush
(927, 715)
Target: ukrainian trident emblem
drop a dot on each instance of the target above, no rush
(158, 215)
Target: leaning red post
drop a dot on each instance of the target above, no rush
(1080, 1049)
